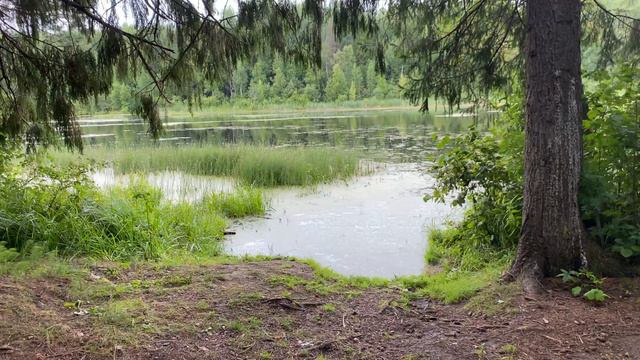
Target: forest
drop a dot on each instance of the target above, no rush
(348, 179)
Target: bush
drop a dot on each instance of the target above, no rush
(610, 192)
(485, 172)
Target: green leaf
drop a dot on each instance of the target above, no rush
(576, 291)
(596, 295)
(626, 252)
(443, 142)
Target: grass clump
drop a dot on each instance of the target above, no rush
(251, 165)
(241, 203)
(495, 298)
(122, 313)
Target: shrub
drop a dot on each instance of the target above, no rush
(485, 171)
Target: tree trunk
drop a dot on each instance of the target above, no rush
(553, 236)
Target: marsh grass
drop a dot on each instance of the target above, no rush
(259, 166)
(241, 203)
(62, 211)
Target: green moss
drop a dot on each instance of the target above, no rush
(493, 299)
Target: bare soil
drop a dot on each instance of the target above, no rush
(280, 310)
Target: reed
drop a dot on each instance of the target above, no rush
(258, 166)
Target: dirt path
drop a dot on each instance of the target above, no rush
(280, 310)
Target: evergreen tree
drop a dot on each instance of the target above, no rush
(258, 91)
(240, 81)
(337, 85)
(258, 87)
(403, 84)
(280, 82)
(381, 91)
(357, 81)
(459, 49)
(353, 91)
(312, 88)
(371, 78)
(47, 68)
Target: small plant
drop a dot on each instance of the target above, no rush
(286, 323)
(584, 283)
(508, 349)
(480, 351)
(329, 308)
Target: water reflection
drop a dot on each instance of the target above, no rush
(404, 136)
(374, 225)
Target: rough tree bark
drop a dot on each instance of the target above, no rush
(553, 236)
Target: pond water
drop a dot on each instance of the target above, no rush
(373, 225)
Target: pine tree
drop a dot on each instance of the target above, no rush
(357, 81)
(47, 66)
(381, 90)
(312, 89)
(403, 84)
(337, 85)
(461, 50)
(371, 78)
(240, 81)
(259, 86)
(353, 91)
(280, 82)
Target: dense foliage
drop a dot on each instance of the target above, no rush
(610, 193)
(347, 73)
(59, 209)
(55, 53)
(484, 171)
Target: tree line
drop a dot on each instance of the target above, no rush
(348, 72)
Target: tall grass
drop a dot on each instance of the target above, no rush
(251, 165)
(60, 210)
(241, 203)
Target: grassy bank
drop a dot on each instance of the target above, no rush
(251, 165)
(60, 210)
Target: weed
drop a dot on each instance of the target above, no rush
(584, 283)
(241, 203)
(175, 281)
(480, 351)
(494, 299)
(510, 350)
(246, 298)
(286, 323)
(236, 326)
(329, 308)
(202, 306)
(122, 313)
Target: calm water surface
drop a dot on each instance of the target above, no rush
(373, 225)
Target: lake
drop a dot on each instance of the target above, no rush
(373, 225)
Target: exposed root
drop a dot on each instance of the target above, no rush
(529, 272)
